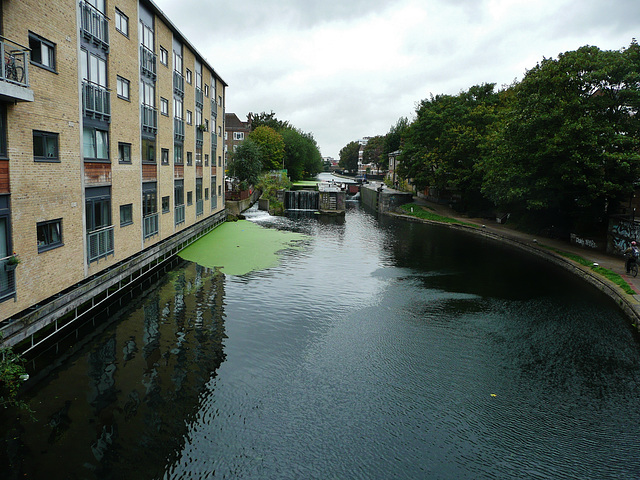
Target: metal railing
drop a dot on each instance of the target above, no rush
(149, 117)
(180, 214)
(148, 62)
(95, 25)
(178, 129)
(7, 277)
(199, 98)
(199, 137)
(178, 83)
(96, 101)
(14, 67)
(100, 243)
(199, 207)
(150, 225)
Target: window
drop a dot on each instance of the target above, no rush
(147, 94)
(122, 23)
(164, 156)
(206, 90)
(189, 158)
(219, 190)
(177, 154)
(146, 36)
(98, 208)
(164, 106)
(95, 144)
(124, 152)
(178, 192)
(148, 151)
(206, 193)
(43, 52)
(93, 68)
(45, 146)
(220, 131)
(188, 76)
(189, 198)
(122, 88)
(189, 117)
(220, 101)
(177, 108)
(126, 214)
(177, 62)
(49, 235)
(199, 156)
(238, 135)
(206, 159)
(226, 135)
(164, 57)
(219, 160)
(165, 204)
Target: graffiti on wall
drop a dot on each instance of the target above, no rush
(621, 234)
(584, 242)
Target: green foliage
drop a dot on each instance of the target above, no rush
(246, 163)
(349, 156)
(374, 152)
(421, 212)
(567, 143)
(271, 146)
(269, 184)
(267, 120)
(12, 375)
(301, 158)
(443, 146)
(394, 138)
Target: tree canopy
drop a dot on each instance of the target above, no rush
(349, 156)
(271, 146)
(246, 163)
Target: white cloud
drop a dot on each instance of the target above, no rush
(344, 70)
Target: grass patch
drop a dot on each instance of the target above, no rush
(422, 212)
(605, 272)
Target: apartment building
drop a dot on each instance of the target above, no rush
(111, 141)
(235, 131)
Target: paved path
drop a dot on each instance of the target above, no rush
(610, 262)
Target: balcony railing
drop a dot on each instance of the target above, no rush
(179, 214)
(100, 243)
(199, 137)
(150, 225)
(148, 62)
(149, 117)
(7, 278)
(178, 129)
(178, 83)
(95, 25)
(199, 207)
(214, 108)
(199, 98)
(96, 101)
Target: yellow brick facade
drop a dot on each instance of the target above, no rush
(55, 191)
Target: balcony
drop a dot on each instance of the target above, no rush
(199, 207)
(178, 84)
(7, 278)
(14, 72)
(199, 136)
(179, 214)
(214, 108)
(149, 117)
(100, 243)
(150, 225)
(178, 129)
(96, 101)
(94, 26)
(199, 98)
(148, 62)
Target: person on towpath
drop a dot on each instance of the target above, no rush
(631, 255)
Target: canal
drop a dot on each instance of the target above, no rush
(380, 350)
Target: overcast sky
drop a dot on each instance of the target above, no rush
(346, 69)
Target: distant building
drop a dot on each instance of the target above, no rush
(235, 131)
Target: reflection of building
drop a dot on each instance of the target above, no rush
(111, 142)
(235, 131)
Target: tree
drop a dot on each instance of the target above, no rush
(443, 146)
(394, 137)
(373, 151)
(567, 148)
(349, 156)
(271, 146)
(267, 120)
(246, 163)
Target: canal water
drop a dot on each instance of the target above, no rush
(381, 350)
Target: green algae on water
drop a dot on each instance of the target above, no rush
(241, 247)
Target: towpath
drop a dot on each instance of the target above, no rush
(536, 244)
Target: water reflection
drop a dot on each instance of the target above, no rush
(121, 411)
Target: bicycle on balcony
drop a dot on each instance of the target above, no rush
(13, 71)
